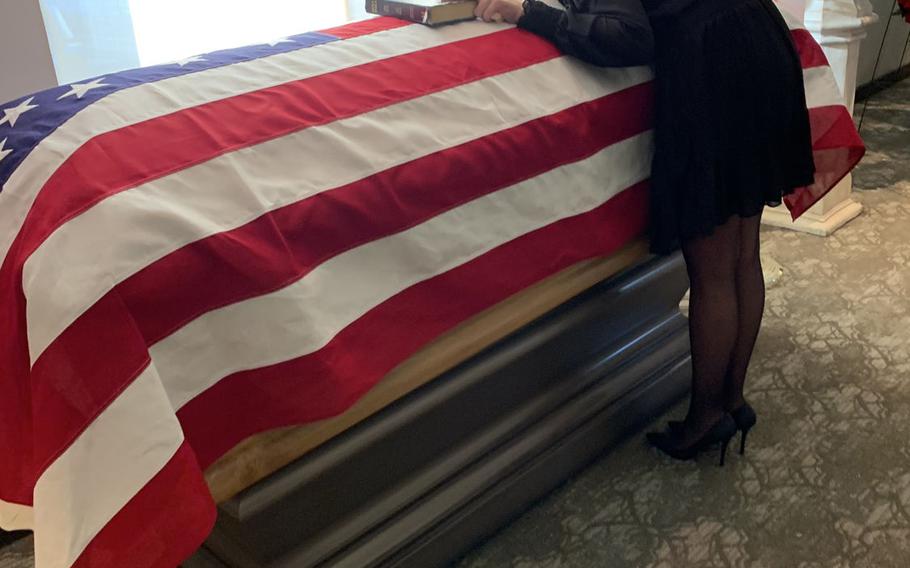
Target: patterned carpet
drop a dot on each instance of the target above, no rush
(826, 479)
(17, 555)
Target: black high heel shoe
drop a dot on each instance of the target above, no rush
(745, 419)
(722, 432)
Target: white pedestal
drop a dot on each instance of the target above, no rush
(825, 217)
(839, 27)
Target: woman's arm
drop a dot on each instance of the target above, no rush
(609, 33)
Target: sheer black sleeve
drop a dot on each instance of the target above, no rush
(609, 33)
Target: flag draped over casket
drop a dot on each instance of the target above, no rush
(199, 251)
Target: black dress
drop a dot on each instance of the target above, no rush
(732, 128)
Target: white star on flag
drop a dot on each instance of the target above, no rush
(79, 89)
(188, 60)
(4, 153)
(275, 42)
(11, 115)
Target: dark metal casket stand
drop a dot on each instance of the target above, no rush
(424, 480)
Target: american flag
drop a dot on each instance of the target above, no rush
(200, 251)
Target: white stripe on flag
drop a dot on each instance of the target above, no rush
(116, 455)
(243, 335)
(15, 517)
(136, 435)
(821, 87)
(151, 100)
(80, 262)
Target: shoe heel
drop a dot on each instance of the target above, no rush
(723, 451)
(742, 442)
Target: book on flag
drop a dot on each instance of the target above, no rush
(428, 12)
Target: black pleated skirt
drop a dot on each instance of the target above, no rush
(732, 129)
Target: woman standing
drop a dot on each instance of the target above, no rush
(732, 135)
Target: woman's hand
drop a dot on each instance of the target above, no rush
(498, 10)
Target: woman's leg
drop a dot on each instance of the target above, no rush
(750, 298)
(712, 264)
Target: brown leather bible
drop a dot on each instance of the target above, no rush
(428, 12)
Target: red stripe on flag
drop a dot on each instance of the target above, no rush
(91, 363)
(279, 248)
(125, 158)
(836, 149)
(137, 154)
(365, 27)
(16, 417)
(108, 342)
(160, 526)
(810, 53)
(327, 382)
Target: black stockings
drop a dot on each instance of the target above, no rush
(726, 301)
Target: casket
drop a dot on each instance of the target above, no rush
(372, 290)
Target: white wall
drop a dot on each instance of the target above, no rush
(895, 42)
(25, 58)
(357, 9)
(208, 25)
(89, 37)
